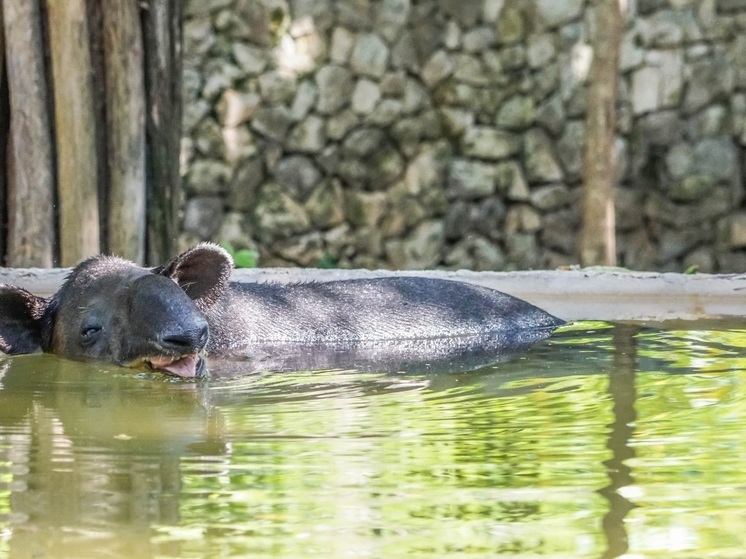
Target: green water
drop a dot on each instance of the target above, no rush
(605, 441)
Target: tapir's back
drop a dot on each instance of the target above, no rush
(360, 310)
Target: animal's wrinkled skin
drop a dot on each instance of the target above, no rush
(112, 310)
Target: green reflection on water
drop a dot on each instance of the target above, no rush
(603, 441)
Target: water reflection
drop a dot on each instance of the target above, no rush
(413, 356)
(88, 450)
(592, 444)
(623, 394)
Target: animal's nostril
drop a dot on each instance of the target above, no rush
(186, 341)
(178, 341)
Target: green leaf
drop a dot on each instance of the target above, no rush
(246, 258)
(327, 261)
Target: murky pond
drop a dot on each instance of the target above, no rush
(605, 440)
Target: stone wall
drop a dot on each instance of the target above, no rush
(448, 133)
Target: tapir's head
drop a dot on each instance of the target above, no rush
(110, 309)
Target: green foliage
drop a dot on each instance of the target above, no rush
(242, 258)
(278, 24)
(327, 262)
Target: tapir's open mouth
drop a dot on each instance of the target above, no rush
(187, 366)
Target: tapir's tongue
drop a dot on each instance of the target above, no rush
(185, 367)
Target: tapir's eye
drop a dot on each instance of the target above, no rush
(89, 333)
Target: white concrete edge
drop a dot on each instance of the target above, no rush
(586, 294)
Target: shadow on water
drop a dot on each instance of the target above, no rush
(92, 449)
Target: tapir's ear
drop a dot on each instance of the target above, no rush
(20, 320)
(202, 272)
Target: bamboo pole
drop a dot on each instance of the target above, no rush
(75, 130)
(30, 164)
(125, 122)
(162, 39)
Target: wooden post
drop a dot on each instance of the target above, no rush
(30, 166)
(96, 28)
(4, 122)
(597, 240)
(125, 127)
(162, 37)
(75, 130)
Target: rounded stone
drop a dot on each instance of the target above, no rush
(335, 85)
(469, 179)
(308, 136)
(540, 162)
(277, 215)
(203, 216)
(297, 175)
(369, 55)
(420, 250)
(365, 96)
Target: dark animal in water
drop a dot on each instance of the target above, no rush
(110, 309)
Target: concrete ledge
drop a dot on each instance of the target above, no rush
(588, 294)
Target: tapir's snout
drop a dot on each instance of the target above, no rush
(174, 332)
(190, 339)
(179, 349)
(179, 345)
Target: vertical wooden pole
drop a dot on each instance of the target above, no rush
(95, 28)
(162, 39)
(30, 165)
(75, 130)
(597, 240)
(125, 127)
(4, 125)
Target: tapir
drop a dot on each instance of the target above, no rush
(112, 310)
